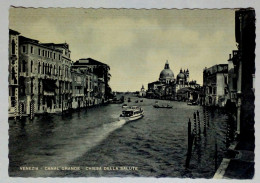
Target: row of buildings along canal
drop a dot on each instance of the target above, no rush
(43, 78)
(231, 84)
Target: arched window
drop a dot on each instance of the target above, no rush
(13, 47)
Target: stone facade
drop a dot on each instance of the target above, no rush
(215, 83)
(45, 78)
(13, 68)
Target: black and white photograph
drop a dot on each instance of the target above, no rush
(157, 93)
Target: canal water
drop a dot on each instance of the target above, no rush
(156, 144)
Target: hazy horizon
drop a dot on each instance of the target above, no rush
(135, 43)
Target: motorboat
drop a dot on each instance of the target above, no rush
(132, 113)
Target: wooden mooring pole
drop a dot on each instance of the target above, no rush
(216, 156)
(195, 127)
(198, 116)
(204, 122)
(190, 142)
(207, 115)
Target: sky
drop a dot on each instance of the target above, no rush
(135, 43)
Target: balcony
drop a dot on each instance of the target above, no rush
(13, 57)
(23, 74)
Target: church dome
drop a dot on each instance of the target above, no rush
(181, 76)
(166, 72)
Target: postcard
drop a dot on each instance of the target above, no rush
(151, 93)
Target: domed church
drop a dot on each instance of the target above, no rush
(166, 75)
(167, 87)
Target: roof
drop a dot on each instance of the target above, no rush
(88, 61)
(23, 39)
(11, 31)
(61, 45)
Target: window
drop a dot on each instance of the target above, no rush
(54, 56)
(51, 54)
(31, 66)
(39, 51)
(39, 68)
(48, 54)
(225, 79)
(31, 85)
(59, 57)
(24, 49)
(23, 66)
(42, 68)
(43, 53)
(31, 49)
(13, 47)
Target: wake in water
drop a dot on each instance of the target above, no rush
(81, 145)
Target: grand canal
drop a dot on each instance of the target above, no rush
(155, 144)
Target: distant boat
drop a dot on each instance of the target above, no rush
(162, 106)
(192, 103)
(132, 113)
(124, 106)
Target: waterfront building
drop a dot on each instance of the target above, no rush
(13, 69)
(142, 92)
(98, 90)
(167, 87)
(244, 68)
(43, 76)
(215, 83)
(78, 88)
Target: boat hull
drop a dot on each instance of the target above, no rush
(169, 107)
(132, 118)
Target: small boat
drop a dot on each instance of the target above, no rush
(132, 113)
(162, 106)
(192, 103)
(124, 106)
